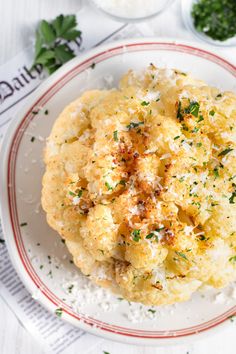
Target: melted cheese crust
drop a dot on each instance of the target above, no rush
(141, 183)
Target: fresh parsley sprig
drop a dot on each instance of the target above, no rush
(51, 46)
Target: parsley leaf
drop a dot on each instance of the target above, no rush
(233, 259)
(51, 45)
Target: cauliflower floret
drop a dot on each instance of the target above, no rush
(99, 232)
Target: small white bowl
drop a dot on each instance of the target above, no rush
(160, 6)
(187, 6)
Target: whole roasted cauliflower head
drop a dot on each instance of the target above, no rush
(140, 181)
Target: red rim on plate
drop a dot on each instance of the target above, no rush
(11, 163)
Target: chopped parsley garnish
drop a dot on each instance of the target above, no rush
(134, 125)
(233, 196)
(232, 318)
(212, 113)
(200, 118)
(219, 95)
(193, 108)
(136, 235)
(145, 103)
(106, 352)
(80, 192)
(184, 127)
(154, 233)
(72, 194)
(122, 182)
(216, 172)
(70, 288)
(151, 310)
(23, 224)
(150, 235)
(159, 229)
(202, 237)
(199, 144)
(195, 130)
(92, 66)
(58, 312)
(115, 135)
(46, 112)
(182, 255)
(109, 187)
(2, 241)
(225, 152)
(233, 259)
(32, 139)
(215, 18)
(176, 137)
(179, 112)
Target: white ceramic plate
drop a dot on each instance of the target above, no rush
(39, 257)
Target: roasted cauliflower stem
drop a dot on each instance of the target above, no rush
(140, 181)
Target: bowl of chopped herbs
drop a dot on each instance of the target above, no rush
(213, 21)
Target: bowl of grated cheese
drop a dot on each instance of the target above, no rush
(131, 10)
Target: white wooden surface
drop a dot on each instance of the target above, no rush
(17, 18)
